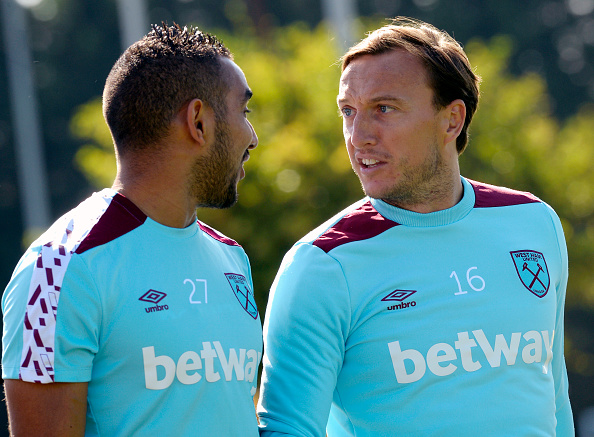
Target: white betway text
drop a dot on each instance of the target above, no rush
(243, 365)
(439, 357)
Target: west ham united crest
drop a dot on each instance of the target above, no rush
(242, 291)
(532, 270)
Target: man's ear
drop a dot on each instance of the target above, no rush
(455, 114)
(199, 120)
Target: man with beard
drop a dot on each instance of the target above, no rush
(434, 306)
(129, 316)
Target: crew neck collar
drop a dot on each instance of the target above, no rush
(437, 218)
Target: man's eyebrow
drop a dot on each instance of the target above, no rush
(386, 98)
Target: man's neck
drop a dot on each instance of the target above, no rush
(161, 198)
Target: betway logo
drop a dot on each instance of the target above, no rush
(440, 355)
(190, 363)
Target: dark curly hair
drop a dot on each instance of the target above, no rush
(449, 72)
(153, 79)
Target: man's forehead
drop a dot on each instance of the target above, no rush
(373, 74)
(237, 81)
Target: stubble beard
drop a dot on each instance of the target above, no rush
(419, 184)
(214, 177)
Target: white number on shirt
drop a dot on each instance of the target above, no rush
(476, 282)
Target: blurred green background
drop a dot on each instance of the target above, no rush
(534, 129)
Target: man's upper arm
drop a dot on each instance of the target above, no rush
(57, 409)
(565, 426)
(307, 322)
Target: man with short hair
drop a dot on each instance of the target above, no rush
(129, 316)
(434, 306)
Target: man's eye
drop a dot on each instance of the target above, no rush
(384, 108)
(347, 112)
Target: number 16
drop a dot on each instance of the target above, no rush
(469, 279)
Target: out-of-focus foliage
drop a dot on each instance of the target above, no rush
(300, 175)
(96, 159)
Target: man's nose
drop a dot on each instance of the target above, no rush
(254, 142)
(361, 131)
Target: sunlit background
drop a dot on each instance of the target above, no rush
(534, 129)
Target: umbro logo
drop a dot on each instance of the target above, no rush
(154, 296)
(400, 296)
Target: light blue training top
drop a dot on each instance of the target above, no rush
(161, 322)
(387, 322)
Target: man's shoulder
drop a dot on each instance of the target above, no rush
(357, 222)
(107, 215)
(216, 235)
(492, 196)
(97, 220)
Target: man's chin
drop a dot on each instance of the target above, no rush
(370, 192)
(221, 203)
(227, 205)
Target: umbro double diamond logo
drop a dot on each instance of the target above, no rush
(400, 296)
(154, 297)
